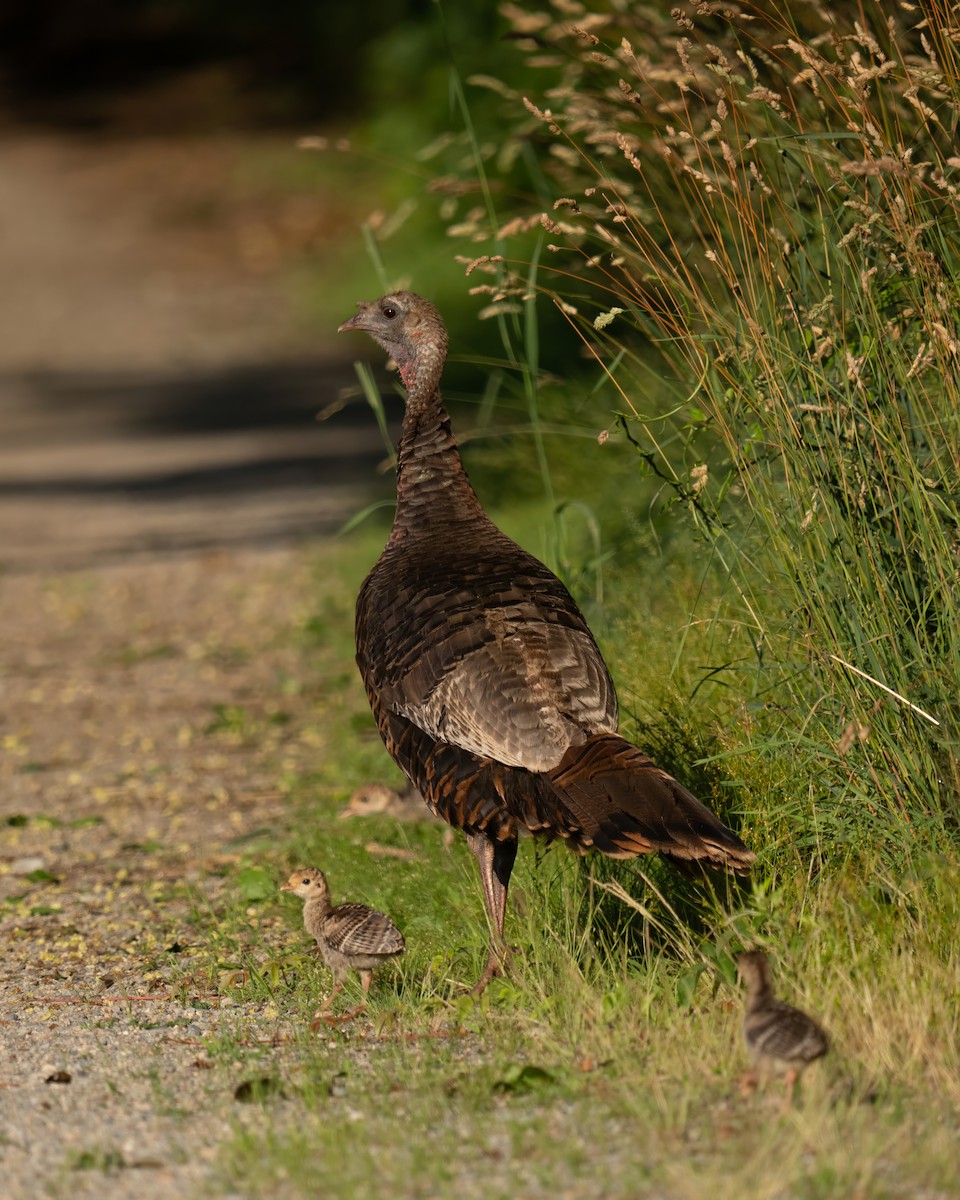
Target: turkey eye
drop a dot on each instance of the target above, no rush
(306, 881)
(389, 311)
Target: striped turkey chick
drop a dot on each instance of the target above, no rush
(779, 1037)
(378, 800)
(348, 936)
(406, 807)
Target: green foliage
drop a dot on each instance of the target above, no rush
(255, 883)
(772, 205)
(608, 1059)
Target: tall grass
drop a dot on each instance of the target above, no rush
(606, 1061)
(771, 199)
(773, 209)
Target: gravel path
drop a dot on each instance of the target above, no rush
(122, 806)
(159, 386)
(160, 472)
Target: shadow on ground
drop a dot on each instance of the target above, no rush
(100, 467)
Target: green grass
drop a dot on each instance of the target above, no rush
(791, 515)
(608, 1061)
(756, 245)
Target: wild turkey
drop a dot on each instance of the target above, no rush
(378, 800)
(778, 1036)
(485, 681)
(348, 936)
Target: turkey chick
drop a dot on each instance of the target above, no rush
(779, 1037)
(348, 936)
(376, 799)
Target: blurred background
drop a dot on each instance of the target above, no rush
(183, 195)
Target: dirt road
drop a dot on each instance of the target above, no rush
(161, 477)
(158, 383)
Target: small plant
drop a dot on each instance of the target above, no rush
(100, 1159)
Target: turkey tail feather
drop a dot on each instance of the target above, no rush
(626, 805)
(604, 793)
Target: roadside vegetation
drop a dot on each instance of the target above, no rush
(719, 252)
(609, 1060)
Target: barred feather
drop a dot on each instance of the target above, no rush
(775, 1032)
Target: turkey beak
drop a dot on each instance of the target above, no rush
(357, 321)
(286, 887)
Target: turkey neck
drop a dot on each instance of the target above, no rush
(317, 907)
(759, 995)
(433, 491)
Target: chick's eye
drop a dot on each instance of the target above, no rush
(306, 880)
(389, 311)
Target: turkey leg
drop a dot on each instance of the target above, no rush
(496, 861)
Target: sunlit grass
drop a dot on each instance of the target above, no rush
(788, 241)
(608, 1060)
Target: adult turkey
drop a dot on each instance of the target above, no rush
(485, 681)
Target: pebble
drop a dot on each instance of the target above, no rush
(24, 866)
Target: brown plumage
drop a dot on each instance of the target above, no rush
(483, 676)
(348, 935)
(378, 800)
(778, 1036)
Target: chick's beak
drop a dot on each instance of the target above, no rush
(286, 887)
(357, 321)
